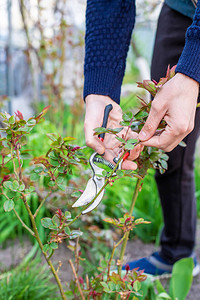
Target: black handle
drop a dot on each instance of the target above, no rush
(107, 110)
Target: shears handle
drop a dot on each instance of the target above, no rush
(101, 136)
(107, 110)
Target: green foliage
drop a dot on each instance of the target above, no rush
(31, 282)
(179, 285)
(181, 278)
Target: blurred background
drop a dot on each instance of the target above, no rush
(41, 63)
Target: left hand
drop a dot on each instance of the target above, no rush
(176, 103)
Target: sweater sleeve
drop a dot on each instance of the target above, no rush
(189, 62)
(109, 25)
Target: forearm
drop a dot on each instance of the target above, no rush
(189, 62)
(109, 26)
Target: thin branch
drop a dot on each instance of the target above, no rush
(112, 254)
(76, 278)
(23, 224)
(52, 252)
(41, 204)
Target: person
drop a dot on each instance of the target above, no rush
(109, 26)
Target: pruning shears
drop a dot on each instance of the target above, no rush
(96, 183)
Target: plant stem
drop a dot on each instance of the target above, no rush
(13, 160)
(41, 204)
(121, 257)
(112, 254)
(37, 237)
(16, 213)
(76, 278)
(51, 254)
(23, 224)
(20, 167)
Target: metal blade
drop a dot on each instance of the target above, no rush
(99, 184)
(94, 204)
(88, 194)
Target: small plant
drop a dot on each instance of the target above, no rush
(55, 168)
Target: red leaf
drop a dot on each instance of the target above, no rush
(19, 115)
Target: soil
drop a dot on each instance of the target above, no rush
(15, 250)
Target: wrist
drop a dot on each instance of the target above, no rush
(100, 99)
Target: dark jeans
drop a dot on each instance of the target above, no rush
(176, 186)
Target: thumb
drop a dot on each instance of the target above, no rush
(151, 124)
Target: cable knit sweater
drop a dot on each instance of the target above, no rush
(109, 25)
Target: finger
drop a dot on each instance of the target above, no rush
(135, 152)
(91, 140)
(155, 116)
(129, 165)
(165, 141)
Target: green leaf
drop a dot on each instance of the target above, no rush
(76, 194)
(120, 139)
(62, 187)
(31, 189)
(68, 139)
(12, 120)
(34, 177)
(105, 287)
(38, 169)
(25, 155)
(46, 222)
(164, 164)
(8, 205)
(159, 287)
(51, 183)
(75, 234)
(67, 215)
(127, 116)
(129, 146)
(8, 185)
(100, 130)
(60, 179)
(132, 141)
(21, 187)
(141, 115)
(182, 144)
(137, 285)
(67, 230)
(120, 173)
(52, 136)
(181, 278)
(15, 185)
(163, 296)
(5, 151)
(54, 163)
(46, 247)
(54, 245)
(164, 156)
(115, 130)
(56, 220)
(31, 122)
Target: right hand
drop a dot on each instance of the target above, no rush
(95, 105)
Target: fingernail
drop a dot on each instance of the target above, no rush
(142, 135)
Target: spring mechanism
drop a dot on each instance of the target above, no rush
(104, 162)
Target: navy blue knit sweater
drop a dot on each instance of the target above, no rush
(109, 25)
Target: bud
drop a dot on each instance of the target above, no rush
(127, 268)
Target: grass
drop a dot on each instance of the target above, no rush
(32, 282)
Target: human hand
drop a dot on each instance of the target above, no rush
(95, 105)
(176, 103)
